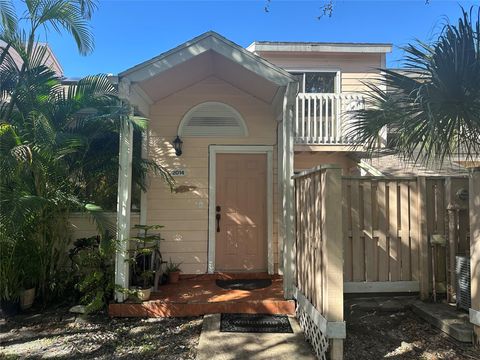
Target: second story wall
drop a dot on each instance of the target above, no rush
(334, 81)
(355, 68)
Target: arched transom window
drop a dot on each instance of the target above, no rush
(212, 119)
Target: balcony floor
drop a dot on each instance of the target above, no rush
(199, 295)
(304, 147)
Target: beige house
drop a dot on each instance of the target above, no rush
(247, 119)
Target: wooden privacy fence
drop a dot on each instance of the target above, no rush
(318, 257)
(372, 234)
(381, 234)
(390, 225)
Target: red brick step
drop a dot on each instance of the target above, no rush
(199, 295)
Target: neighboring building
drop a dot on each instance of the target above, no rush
(50, 59)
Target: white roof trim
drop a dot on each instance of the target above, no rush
(54, 57)
(201, 44)
(320, 47)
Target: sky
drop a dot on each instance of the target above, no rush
(129, 32)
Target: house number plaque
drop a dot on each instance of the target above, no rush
(178, 172)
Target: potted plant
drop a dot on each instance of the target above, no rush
(173, 271)
(146, 261)
(143, 293)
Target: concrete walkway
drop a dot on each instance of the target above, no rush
(215, 345)
(447, 318)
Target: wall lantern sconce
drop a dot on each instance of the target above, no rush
(177, 145)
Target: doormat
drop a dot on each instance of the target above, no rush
(244, 284)
(255, 323)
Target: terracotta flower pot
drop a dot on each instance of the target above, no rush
(27, 298)
(173, 277)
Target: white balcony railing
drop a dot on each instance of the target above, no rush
(324, 118)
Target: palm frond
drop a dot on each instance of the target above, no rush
(70, 16)
(433, 106)
(102, 221)
(8, 16)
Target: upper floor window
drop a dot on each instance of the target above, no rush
(317, 82)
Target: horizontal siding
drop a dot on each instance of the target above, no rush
(353, 63)
(185, 214)
(170, 214)
(355, 68)
(184, 235)
(187, 247)
(83, 226)
(308, 160)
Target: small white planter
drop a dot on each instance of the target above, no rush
(144, 294)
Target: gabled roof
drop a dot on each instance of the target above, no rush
(50, 60)
(55, 63)
(209, 41)
(335, 47)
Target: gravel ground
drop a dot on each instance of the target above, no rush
(58, 334)
(400, 335)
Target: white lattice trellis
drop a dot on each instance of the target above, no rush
(313, 333)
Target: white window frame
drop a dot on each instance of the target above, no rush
(212, 188)
(338, 76)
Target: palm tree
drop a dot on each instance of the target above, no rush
(26, 166)
(39, 17)
(60, 154)
(58, 142)
(434, 104)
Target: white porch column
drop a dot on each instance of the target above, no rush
(143, 196)
(124, 197)
(288, 195)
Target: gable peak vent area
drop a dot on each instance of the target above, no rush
(212, 119)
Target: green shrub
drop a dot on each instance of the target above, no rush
(94, 268)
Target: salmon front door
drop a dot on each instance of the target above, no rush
(241, 212)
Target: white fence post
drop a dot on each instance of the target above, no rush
(332, 235)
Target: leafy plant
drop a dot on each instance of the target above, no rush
(93, 261)
(145, 257)
(172, 267)
(58, 142)
(28, 257)
(9, 271)
(433, 105)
